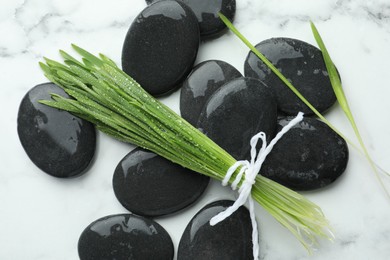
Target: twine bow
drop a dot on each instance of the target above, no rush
(250, 171)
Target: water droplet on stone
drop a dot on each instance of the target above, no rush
(229, 239)
(125, 236)
(309, 156)
(203, 81)
(301, 63)
(206, 12)
(237, 111)
(56, 141)
(159, 59)
(150, 185)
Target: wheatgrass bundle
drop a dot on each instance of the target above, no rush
(118, 106)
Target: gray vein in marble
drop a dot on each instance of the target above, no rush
(378, 13)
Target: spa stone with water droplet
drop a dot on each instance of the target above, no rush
(207, 13)
(303, 65)
(150, 185)
(161, 46)
(56, 141)
(237, 111)
(203, 81)
(309, 156)
(125, 236)
(229, 239)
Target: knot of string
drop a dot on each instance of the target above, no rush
(250, 171)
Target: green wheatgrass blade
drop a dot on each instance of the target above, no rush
(341, 98)
(107, 60)
(118, 106)
(68, 59)
(333, 75)
(87, 55)
(60, 104)
(45, 68)
(54, 64)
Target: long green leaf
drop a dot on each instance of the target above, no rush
(342, 99)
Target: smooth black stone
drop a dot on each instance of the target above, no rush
(161, 46)
(59, 143)
(302, 64)
(125, 236)
(206, 11)
(309, 156)
(203, 81)
(237, 111)
(150, 185)
(229, 239)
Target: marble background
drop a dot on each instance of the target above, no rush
(42, 217)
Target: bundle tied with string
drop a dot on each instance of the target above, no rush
(118, 106)
(249, 171)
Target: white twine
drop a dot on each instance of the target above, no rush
(250, 170)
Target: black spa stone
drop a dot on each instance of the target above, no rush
(150, 185)
(230, 239)
(161, 45)
(59, 143)
(206, 11)
(302, 64)
(125, 236)
(203, 81)
(237, 111)
(309, 156)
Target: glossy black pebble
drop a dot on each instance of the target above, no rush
(309, 156)
(203, 81)
(125, 236)
(207, 11)
(299, 62)
(237, 111)
(161, 45)
(150, 185)
(229, 239)
(59, 143)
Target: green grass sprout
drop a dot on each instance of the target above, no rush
(335, 81)
(118, 106)
(342, 100)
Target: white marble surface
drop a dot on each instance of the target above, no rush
(42, 217)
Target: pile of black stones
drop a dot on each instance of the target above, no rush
(159, 51)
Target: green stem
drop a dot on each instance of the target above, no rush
(342, 99)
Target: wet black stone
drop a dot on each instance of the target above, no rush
(237, 111)
(161, 45)
(150, 185)
(203, 81)
(125, 236)
(59, 143)
(309, 156)
(206, 12)
(229, 239)
(303, 65)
